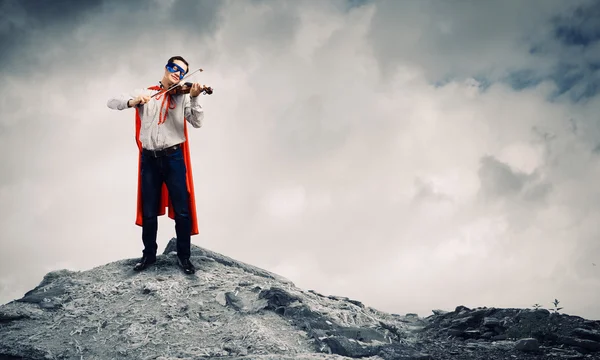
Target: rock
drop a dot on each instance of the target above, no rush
(277, 298)
(439, 312)
(529, 344)
(499, 330)
(50, 304)
(48, 291)
(308, 319)
(490, 322)
(586, 334)
(506, 322)
(582, 343)
(149, 288)
(235, 302)
(461, 308)
(6, 317)
(356, 302)
(220, 298)
(472, 334)
(463, 323)
(348, 347)
(361, 334)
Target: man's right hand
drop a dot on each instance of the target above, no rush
(139, 100)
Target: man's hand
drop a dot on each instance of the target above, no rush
(196, 89)
(139, 100)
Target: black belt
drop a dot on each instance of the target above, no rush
(166, 151)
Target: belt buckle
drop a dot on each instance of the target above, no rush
(171, 149)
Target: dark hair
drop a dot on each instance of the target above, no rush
(173, 58)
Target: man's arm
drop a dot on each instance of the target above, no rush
(193, 112)
(124, 101)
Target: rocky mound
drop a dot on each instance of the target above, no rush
(233, 310)
(518, 333)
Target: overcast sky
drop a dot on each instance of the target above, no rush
(413, 155)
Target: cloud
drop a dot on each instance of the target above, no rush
(378, 150)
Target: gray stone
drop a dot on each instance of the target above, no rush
(472, 334)
(356, 302)
(346, 347)
(278, 297)
(461, 309)
(582, 343)
(462, 323)
(490, 322)
(361, 334)
(529, 344)
(234, 301)
(41, 292)
(586, 334)
(50, 304)
(7, 317)
(220, 298)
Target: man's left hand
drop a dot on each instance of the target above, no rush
(196, 89)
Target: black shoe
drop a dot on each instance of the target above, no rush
(187, 266)
(144, 262)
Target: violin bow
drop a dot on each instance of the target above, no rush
(179, 83)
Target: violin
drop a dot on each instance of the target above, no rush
(187, 87)
(184, 88)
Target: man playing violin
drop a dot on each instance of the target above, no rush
(164, 171)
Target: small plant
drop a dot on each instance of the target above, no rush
(537, 306)
(556, 308)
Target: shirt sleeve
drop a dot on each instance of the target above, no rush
(119, 102)
(194, 113)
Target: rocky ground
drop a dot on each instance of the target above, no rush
(232, 310)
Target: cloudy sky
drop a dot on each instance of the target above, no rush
(413, 155)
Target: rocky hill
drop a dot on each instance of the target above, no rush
(232, 310)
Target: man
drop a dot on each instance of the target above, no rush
(164, 167)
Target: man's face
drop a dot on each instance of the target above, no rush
(180, 69)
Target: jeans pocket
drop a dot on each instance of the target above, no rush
(177, 155)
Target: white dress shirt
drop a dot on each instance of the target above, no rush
(154, 136)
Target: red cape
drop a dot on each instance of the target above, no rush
(164, 199)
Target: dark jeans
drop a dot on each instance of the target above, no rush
(171, 170)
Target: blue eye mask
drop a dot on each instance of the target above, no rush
(172, 67)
